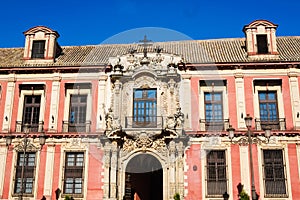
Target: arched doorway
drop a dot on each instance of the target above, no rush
(144, 178)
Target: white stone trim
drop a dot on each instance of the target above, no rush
(13, 173)
(284, 148)
(3, 156)
(295, 100)
(240, 100)
(49, 170)
(10, 93)
(54, 106)
(70, 92)
(227, 149)
(202, 90)
(23, 93)
(280, 102)
(245, 170)
(74, 145)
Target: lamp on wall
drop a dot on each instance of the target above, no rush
(249, 139)
(24, 145)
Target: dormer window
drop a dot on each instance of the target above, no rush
(41, 45)
(261, 39)
(262, 44)
(38, 49)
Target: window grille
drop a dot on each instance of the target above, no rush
(274, 173)
(38, 49)
(28, 173)
(144, 107)
(216, 173)
(73, 177)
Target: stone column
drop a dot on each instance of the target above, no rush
(9, 102)
(54, 103)
(117, 99)
(294, 90)
(180, 168)
(101, 103)
(106, 163)
(172, 170)
(113, 171)
(240, 99)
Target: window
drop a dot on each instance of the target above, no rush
(213, 110)
(262, 44)
(73, 180)
(274, 173)
(216, 177)
(31, 112)
(268, 109)
(77, 116)
(27, 162)
(38, 49)
(144, 107)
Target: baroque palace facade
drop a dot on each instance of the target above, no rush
(151, 120)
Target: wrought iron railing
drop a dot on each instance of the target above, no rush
(76, 127)
(274, 124)
(33, 127)
(214, 124)
(144, 122)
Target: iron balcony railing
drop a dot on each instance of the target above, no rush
(76, 127)
(144, 122)
(274, 124)
(214, 124)
(33, 127)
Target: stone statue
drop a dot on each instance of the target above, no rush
(109, 119)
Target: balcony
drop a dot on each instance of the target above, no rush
(214, 124)
(144, 122)
(33, 127)
(76, 127)
(275, 124)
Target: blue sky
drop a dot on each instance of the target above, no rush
(92, 22)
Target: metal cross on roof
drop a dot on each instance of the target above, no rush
(145, 43)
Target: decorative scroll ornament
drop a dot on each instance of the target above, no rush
(29, 146)
(144, 142)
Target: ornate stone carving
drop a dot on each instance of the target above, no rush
(29, 146)
(143, 141)
(112, 124)
(175, 121)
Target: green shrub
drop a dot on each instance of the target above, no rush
(244, 196)
(176, 196)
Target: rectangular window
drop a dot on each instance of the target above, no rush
(31, 112)
(216, 173)
(274, 173)
(77, 115)
(38, 49)
(262, 44)
(268, 109)
(24, 178)
(73, 179)
(144, 108)
(213, 110)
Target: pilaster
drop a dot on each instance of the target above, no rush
(54, 103)
(240, 97)
(9, 102)
(295, 99)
